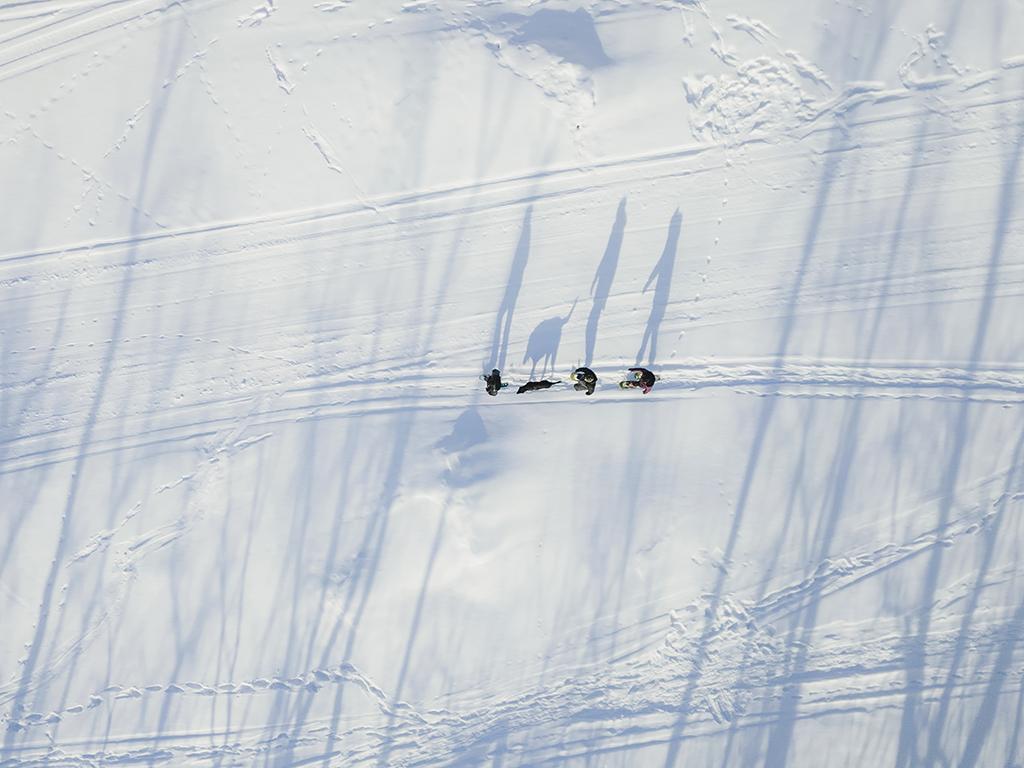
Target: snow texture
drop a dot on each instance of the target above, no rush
(256, 507)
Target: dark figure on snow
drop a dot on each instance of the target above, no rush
(494, 382)
(585, 379)
(532, 385)
(642, 379)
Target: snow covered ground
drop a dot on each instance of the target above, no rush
(256, 507)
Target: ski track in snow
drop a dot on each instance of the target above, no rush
(343, 395)
(220, 390)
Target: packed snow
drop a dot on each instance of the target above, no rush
(257, 507)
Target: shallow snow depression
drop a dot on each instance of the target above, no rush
(258, 508)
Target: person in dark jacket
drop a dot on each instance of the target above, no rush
(494, 382)
(585, 379)
(532, 385)
(642, 379)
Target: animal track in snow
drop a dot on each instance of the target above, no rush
(280, 74)
(762, 97)
(929, 65)
(258, 15)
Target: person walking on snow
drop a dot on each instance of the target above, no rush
(494, 382)
(642, 379)
(585, 379)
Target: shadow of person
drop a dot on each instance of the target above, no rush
(661, 276)
(601, 286)
(503, 320)
(467, 430)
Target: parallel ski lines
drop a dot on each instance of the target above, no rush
(381, 389)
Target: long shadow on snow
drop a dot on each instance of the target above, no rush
(468, 431)
(910, 727)
(642, 420)
(829, 172)
(348, 483)
(850, 69)
(299, 652)
(661, 276)
(450, 264)
(26, 492)
(600, 287)
(844, 463)
(503, 320)
(794, 501)
(187, 625)
(961, 647)
(366, 563)
(16, 312)
(1015, 741)
(498, 356)
(986, 714)
(375, 534)
(981, 728)
(414, 627)
(167, 63)
(239, 598)
(167, 347)
(615, 555)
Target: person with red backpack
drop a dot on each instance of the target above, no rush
(642, 379)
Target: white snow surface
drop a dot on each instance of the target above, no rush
(256, 508)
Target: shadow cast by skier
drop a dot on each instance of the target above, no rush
(661, 276)
(601, 286)
(503, 320)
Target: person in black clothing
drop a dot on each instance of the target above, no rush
(532, 385)
(585, 379)
(642, 379)
(494, 382)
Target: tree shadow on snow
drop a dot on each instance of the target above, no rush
(33, 676)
